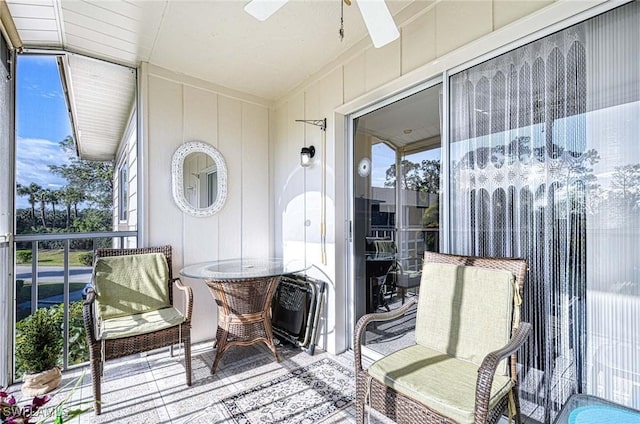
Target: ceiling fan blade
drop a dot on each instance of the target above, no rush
(379, 21)
(262, 9)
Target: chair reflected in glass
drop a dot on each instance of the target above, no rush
(398, 281)
(462, 368)
(380, 260)
(385, 248)
(398, 277)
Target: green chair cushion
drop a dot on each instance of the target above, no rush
(465, 312)
(445, 384)
(131, 284)
(135, 325)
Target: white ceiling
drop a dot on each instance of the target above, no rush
(414, 119)
(101, 95)
(213, 40)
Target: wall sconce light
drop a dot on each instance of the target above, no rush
(306, 154)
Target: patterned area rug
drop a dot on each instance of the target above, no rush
(304, 395)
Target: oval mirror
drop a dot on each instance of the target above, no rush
(198, 178)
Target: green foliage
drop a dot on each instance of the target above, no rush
(35, 332)
(24, 256)
(431, 216)
(93, 179)
(93, 220)
(84, 204)
(423, 176)
(86, 258)
(78, 349)
(39, 341)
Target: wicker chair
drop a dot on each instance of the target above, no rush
(462, 368)
(122, 318)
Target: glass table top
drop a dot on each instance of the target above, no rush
(242, 268)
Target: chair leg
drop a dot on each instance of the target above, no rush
(359, 411)
(221, 344)
(516, 401)
(96, 372)
(360, 399)
(187, 358)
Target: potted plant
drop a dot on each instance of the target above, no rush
(38, 350)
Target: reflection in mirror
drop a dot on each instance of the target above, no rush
(199, 178)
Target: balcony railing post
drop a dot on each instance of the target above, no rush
(65, 322)
(34, 276)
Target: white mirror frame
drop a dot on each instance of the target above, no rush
(177, 172)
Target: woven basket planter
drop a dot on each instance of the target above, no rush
(41, 383)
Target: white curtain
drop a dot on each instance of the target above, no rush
(545, 164)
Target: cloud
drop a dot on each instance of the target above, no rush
(33, 157)
(51, 95)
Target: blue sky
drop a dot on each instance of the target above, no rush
(41, 123)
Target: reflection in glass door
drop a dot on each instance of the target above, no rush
(396, 208)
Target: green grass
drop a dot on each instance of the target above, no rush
(55, 257)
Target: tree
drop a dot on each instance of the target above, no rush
(53, 197)
(94, 179)
(71, 196)
(626, 184)
(88, 193)
(41, 197)
(624, 196)
(30, 192)
(423, 176)
(92, 220)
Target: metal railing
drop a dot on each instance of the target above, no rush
(114, 239)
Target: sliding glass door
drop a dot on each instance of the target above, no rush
(545, 164)
(396, 174)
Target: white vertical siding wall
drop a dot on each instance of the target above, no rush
(132, 216)
(274, 206)
(127, 151)
(181, 109)
(440, 36)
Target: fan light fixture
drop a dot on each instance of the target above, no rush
(375, 14)
(262, 9)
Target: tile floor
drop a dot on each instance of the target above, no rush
(150, 388)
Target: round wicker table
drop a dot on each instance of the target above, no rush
(243, 289)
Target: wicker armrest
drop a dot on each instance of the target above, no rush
(188, 292)
(490, 363)
(375, 317)
(87, 315)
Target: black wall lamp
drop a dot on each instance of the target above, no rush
(306, 154)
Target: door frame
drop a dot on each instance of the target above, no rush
(7, 224)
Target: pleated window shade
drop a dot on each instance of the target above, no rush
(545, 165)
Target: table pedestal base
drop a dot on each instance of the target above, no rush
(244, 313)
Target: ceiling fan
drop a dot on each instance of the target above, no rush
(375, 14)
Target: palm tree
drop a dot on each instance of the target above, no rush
(54, 198)
(71, 196)
(30, 193)
(41, 196)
